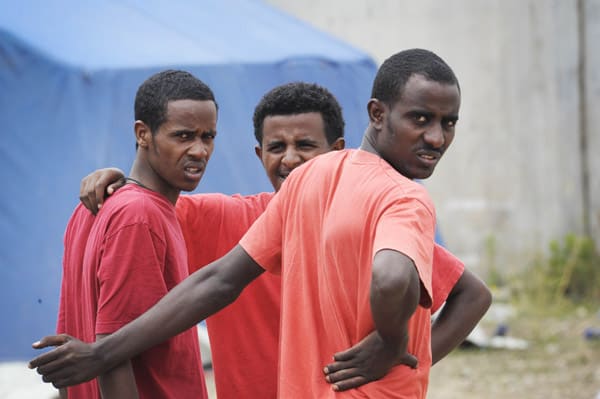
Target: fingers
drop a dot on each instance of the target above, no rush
(350, 383)
(346, 355)
(51, 340)
(87, 193)
(115, 186)
(46, 361)
(341, 375)
(335, 367)
(95, 186)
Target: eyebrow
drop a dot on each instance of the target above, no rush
(189, 131)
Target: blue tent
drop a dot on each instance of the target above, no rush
(68, 74)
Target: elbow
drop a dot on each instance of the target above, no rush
(391, 283)
(482, 298)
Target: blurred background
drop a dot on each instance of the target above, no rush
(517, 195)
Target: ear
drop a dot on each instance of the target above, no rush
(376, 110)
(258, 152)
(338, 144)
(143, 135)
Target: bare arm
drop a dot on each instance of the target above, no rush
(465, 306)
(395, 291)
(99, 184)
(118, 382)
(197, 297)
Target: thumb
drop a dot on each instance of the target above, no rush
(51, 340)
(409, 360)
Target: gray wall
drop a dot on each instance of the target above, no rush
(514, 178)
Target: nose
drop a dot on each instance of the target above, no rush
(291, 159)
(434, 136)
(199, 150)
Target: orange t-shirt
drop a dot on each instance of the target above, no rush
(244, 336)
(321, 232)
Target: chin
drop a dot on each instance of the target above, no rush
(188, 186)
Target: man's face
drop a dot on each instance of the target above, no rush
(415, 132)
(179, 151)
(289, 141)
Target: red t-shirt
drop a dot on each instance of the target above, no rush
(321, 233)
(244, 336)
(117, 265)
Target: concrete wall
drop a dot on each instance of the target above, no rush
(591, 89)
(513, 179)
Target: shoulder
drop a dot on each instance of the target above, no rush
(133, 204)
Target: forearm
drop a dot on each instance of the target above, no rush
(466, 305)
(394, 296)
(197, 297)
(118, 382)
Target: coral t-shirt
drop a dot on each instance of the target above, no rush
(321, 232)
(249, 368)
(115, 267)
(244, 336)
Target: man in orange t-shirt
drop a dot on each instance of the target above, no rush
(430, 159)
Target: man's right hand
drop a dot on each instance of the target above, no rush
(98, 185)
(70, 363)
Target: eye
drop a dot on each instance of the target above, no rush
(209, 136)
(306, 145)
(451, 123)
(421, 119)
(275, 148)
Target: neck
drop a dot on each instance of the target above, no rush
(144, 176)
(366, 144)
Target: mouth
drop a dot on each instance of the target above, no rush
(194, 172)
(283, 174)
(428, 157)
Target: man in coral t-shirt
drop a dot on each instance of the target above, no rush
(425, 359)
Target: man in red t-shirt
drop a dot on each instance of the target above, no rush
(118, 264)
(278, 173)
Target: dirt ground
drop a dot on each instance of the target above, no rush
(559, 362)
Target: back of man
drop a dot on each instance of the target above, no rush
(132, 256)
(331, 233)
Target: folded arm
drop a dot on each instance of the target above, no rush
(395, 292)
(465, 306)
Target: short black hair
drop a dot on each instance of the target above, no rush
(393, 74)
(155, 93)
(300, 98)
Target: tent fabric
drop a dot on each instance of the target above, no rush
(69, 71)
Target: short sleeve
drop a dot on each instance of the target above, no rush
(408, 226)
(130, 276)
(263, 241)
(447, 269)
